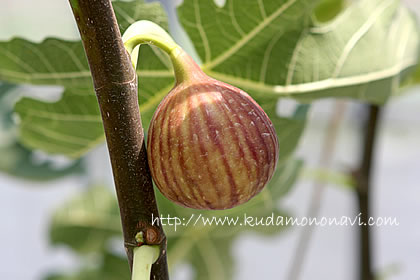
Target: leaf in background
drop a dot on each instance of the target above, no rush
(326, 10)
(87, 222)
(72, 125)
(51, 62)
(416, 76)
(414, 79)
(245, 43)
(6, 104)
(61, 62)
(266, 47)
(58, 127)
(212, 258)
(91, 219)
(17, 160)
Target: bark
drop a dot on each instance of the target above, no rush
(115, 83)
(363, 188)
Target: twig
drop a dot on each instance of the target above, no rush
(115, 83)
(327, 153)
(363, 178)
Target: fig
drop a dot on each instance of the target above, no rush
(210, 145)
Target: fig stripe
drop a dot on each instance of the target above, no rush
(186, 191)
(263, 171)
(189, 135)
(170, 171)
(204, 103)
(241, 141)
(264, 119)
(201, 126)
(203, 153)
(160, 122)
(211, 124)
(246, 137)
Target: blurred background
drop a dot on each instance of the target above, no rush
(26, 252)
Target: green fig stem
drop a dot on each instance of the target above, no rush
(162, 43)
(147, 32)
(144, 257)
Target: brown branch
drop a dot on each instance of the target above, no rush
(363, 180)
(115, 83)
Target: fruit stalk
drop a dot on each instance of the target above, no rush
(149, 33)
(115, 83)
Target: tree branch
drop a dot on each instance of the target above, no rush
(115, 83)
(363, 178)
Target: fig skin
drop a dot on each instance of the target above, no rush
(210, 145)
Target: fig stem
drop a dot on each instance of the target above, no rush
(144, 257)
(149, 39)
(147, 32)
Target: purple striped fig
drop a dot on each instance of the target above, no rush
(210, 145)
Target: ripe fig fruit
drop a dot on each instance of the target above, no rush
(210, 145)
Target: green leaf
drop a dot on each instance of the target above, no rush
(273, 48)
(329, 9)
(61, 62)
(52, 61)
(417, 75)
(17, 160)
(212, 258)
(414, 79)
(87, 222)
(73, 125)
(60, 128)
(7, 130)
